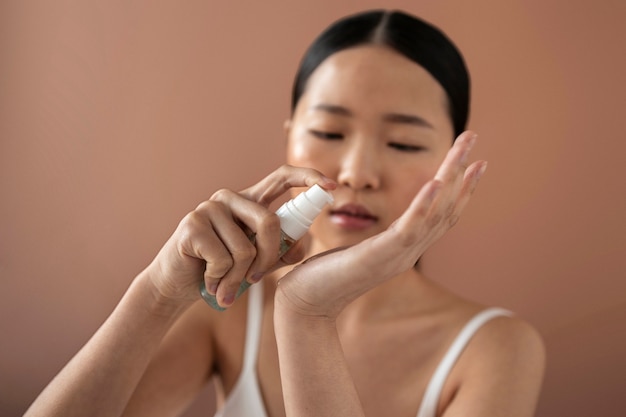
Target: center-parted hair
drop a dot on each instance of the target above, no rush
(414, 38)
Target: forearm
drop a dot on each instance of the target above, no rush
(315, 377)
(102, 376)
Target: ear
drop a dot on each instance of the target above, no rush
(287, 127)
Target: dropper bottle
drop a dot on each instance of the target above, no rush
(296, 216)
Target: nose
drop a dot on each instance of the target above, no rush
(359, 166)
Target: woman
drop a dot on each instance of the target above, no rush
(357, 329)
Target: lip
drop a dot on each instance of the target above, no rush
(352, 217)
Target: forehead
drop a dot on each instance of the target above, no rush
(374, 78)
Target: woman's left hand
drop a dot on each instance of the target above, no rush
(324, 284)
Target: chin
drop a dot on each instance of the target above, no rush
(334, 240)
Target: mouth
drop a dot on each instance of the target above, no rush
(352, 216)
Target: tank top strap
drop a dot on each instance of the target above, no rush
(430, 400)
(253, 326)
(245, 399)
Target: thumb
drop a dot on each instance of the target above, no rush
(296, 253)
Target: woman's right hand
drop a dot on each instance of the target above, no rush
(129, 358)
(212, 243)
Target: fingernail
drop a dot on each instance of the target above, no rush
(481, 170)
(228, 300)
(256, 277)
(436, 187)
(213, 288)
(468, 148)
(329, 182)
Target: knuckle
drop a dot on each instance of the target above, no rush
(243, 253)
(230, 285)
(189, 225)
(210, 278)
(222, 194)
(217, 268)
(285, 169)
(208, 205)
(435, 219)
(268, 223)
(453, 219)
(450, 210)
(472, 187)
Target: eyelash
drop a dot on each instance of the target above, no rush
(405, 148)
(394, 145)
(326, 135)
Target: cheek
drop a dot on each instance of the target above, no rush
(410, 187)
(302, 152)
(409, 181)
(296, 152)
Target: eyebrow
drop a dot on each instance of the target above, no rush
(333, 109)
(401, 118)
(409, 119)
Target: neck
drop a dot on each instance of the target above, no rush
(406, 294)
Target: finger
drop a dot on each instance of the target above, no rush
(267, 228)
(296, 253)
(404, 241)
(456, 159)
(470, 181)
(451, 173)
(421, 214)
(258, 221)
(378, 258)
(200, 241)
(435, 210)
(421, 223)
(284, 178)
(406, 238)
(240, 252)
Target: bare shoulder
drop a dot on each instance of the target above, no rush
(501, 337)
(508, 338)
(500, 372)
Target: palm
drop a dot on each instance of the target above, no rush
(325, 284)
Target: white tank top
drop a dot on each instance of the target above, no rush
(246, 400)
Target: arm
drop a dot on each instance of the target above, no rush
(315, 376)
(100, 379)
(209, 244)
(180, 368)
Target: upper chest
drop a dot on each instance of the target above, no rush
(391, 363)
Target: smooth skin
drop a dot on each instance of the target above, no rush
(352, 331)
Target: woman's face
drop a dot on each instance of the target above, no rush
(378, 124)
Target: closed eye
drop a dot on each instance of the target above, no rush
(326, 135)
(405, 148)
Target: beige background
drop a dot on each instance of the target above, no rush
(117, 117)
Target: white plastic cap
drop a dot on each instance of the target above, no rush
(297, 214)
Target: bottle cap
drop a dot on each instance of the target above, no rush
(297, 214)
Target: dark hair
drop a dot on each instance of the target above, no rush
(416, 39)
